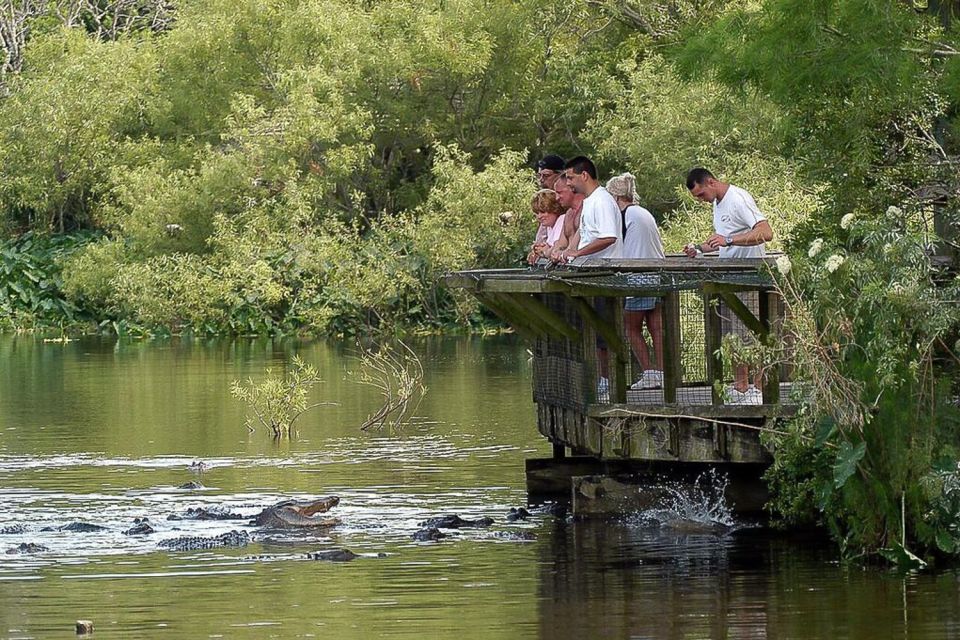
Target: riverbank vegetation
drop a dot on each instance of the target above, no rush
(314, 166)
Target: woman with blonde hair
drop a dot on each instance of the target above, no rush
(550, 214)
(641, 239)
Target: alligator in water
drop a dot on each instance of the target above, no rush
(517, 514)
(293, 514)
(429, 534)
(28, 547)
(455, 522)
(202, 513)
(76, 527)
(333, 555)
(193, 543)
(141, 527)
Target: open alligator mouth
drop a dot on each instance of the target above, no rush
(315, 506)
(291, 513)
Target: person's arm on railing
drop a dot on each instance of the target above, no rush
(693, 250)
(761, 232)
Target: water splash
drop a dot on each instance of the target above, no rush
(700, 506)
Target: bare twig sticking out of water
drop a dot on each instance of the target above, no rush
(398, 375)
(278, 402)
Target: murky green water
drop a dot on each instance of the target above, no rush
(104, 431)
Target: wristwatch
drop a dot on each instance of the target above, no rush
(728, 240)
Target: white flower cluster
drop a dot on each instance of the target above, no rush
(833, 262)
(846, 221)
(815, 247)
(784, 265)
(894, 212)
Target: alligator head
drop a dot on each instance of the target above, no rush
(291, 513)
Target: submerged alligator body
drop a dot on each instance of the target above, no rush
(333, 555)
(194, 543)
(27, 547)
(141, 527)
(455, 522)
(429, 534)
(293, 514)
(77, 527)
(202, 513)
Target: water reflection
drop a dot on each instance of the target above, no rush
(105, 431)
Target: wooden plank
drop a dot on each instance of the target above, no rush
(672, 359)
(462, 280)
(711, 322)
(502, 285)
(677, 262)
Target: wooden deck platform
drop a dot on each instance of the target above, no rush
(567, 311)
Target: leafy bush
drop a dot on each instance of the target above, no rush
(868, 321)
(31, 281)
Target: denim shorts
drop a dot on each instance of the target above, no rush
(640, 304)
(639, 280)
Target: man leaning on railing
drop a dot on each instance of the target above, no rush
(740, 231)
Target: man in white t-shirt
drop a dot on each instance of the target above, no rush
(598, 236)
(600, 221)
(741, 231)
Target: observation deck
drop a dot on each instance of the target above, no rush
(574, 318)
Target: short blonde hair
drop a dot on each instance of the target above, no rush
(546, 201)
(623, 186)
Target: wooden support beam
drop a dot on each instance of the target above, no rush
(619, 358)
(712, 337)
(537, 309)
(507, 314)
(728, 287)
(741, 311)
(672, 358)
(591, 366)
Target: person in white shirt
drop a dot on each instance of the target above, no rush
(600, 224)
(598, 236)
(641, 239)
(741, 231)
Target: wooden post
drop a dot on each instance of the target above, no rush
(619, 357)
(672, 358)
(590, 364)
(712, 337)
(770, 317)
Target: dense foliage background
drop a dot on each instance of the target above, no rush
(315, 165)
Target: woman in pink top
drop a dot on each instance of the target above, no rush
(549, 213)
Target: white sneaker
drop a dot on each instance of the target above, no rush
(651, 379)
(751, 396)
